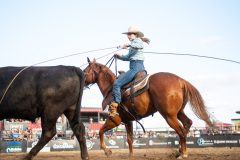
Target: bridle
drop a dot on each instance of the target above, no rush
(94, 73)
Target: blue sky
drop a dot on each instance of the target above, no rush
(33, 31)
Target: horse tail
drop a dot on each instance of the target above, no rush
(197, 103)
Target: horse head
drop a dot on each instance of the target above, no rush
(97, 73)
(91, 72)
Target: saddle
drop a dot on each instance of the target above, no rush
(138, 85)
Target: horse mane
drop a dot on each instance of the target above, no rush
(107, 71)
(105, 82)
(109, 76)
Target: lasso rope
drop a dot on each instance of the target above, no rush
(196, 55)
(95, 50)
(53, 59)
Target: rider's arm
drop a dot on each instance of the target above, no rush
(136, 43)
(134, 46)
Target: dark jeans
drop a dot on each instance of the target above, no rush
(135, 66)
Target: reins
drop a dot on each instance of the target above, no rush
(111, 62)
(126, 109)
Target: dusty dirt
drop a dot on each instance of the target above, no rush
(139, 154)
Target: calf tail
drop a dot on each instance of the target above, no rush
(81, 76)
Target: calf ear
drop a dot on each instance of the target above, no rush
(88, 60)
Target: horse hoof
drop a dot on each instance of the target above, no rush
(108, 152)
(130, 157)
(185, 156)
(181, 156)
(27, 157)
(177, 154)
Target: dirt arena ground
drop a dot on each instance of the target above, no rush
(139, 154)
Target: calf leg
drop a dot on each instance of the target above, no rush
(48, 131)
(79, 131)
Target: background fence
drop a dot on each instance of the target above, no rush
(221, 140)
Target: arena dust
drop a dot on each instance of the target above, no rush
(209, 153)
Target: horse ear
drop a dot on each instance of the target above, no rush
(88, 60)
(94, 60)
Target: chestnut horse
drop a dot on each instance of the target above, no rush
(167, 94)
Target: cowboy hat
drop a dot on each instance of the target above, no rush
(135, 30)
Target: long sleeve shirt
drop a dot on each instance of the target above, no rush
(135, 51)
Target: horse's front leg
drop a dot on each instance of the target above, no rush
(110, 123)
(129, 129)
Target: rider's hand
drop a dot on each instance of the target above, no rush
(117, 55)
(124, 46)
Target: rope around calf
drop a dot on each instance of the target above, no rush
(53, 59)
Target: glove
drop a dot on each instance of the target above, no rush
(117, 55)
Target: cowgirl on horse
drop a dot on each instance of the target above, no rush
(136, 58)
(167, 94)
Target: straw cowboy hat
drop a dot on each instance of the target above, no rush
(134, 29)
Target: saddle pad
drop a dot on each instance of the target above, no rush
(135, 88)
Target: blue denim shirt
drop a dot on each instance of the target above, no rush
(135, 51)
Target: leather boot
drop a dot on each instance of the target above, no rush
(113, 109)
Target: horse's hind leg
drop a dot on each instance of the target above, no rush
(129, 129)
(187, 122)
(174, 123)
